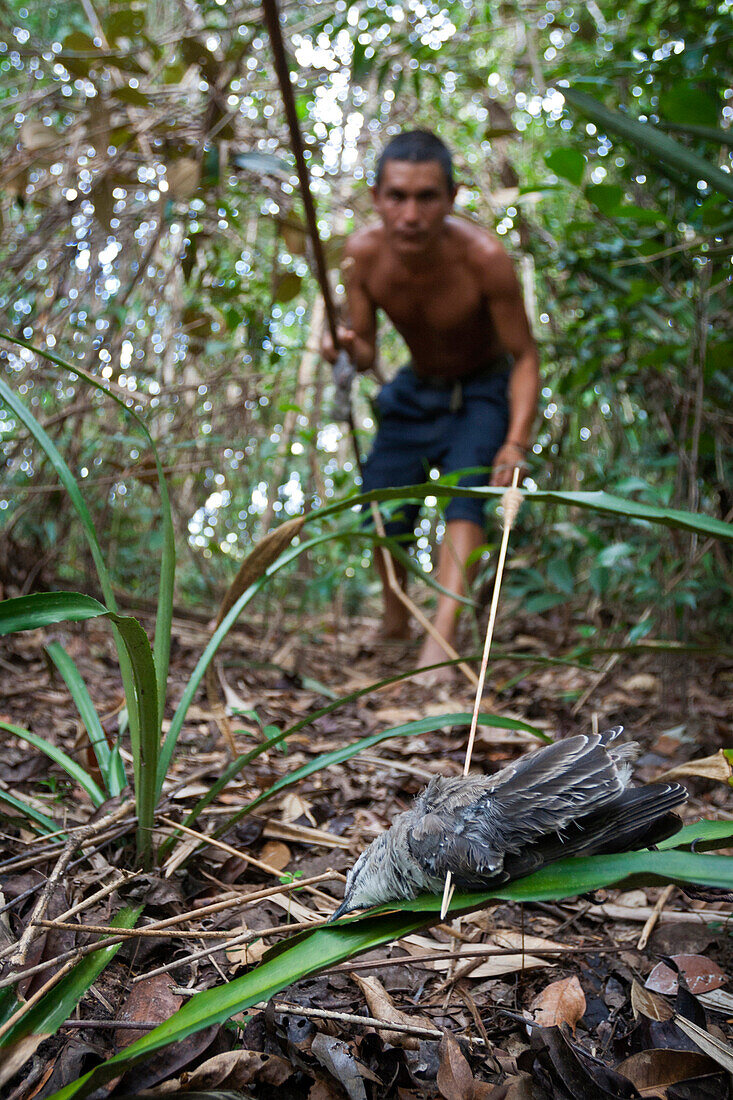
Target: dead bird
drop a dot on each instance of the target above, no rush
(569, 798)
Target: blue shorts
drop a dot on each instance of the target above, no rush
(445, 425)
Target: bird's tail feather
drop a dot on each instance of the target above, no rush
(639, 818)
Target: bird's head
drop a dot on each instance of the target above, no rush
(370, 880)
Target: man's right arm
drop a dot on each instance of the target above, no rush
(359, 338)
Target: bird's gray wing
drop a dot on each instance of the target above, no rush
(468, 826)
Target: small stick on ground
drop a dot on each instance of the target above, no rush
(76, 837)
(119, 936)
(655, 914)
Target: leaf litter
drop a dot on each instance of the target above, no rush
(540, 1000)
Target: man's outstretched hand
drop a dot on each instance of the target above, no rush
(506, 459)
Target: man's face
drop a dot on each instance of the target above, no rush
(413, 201)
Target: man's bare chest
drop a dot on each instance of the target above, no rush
(437, 304)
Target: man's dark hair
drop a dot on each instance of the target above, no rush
(417, 146)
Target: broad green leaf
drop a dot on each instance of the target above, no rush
(70, 766)
(606, 196)
(325, 947)
(684, 103)
(567, 163)
(46, 608)
(133, 96)
(700, 831)
(288, 286)
(649, 140)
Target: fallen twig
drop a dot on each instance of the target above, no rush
(655, 914)
(76, 836)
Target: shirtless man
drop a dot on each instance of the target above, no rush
(469, 396)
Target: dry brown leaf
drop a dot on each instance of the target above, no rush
(149, 1000)
(652, 1070)
(701, 975)
(281, 830)
(492, 967)
(632, 899)
(716, 767)
(183, 178)
(561, 1002)
(292, 907)
(719, 1051)
(642, 681)
(382, 1007)
(646, 1003)
(276, 854)
(719, 1001)
(233, 1069)
(245, 954)
(35, 136)
(293, 807)
(509, 937)
(454, 1079)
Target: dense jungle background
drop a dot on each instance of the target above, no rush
(156, 277)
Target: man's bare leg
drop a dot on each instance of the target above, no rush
(462, 537)
(396, 617)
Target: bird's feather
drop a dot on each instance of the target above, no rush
(569, 798)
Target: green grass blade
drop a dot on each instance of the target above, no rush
(70, 766)
(645, 136)
(46, 608)
(164, 615)
(48, 825)
(700, 831)
(88, 712)
(217, 638)
(142, 664)
(598, 501)
(337, 756)
(707, 133)
(310, 952)
(141, 694)
(68, 481)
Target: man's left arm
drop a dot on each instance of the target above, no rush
(512, 328)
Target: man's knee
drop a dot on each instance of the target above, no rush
(464, 508)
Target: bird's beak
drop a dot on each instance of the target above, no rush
(343, 908)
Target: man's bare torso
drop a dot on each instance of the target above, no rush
(440, 305)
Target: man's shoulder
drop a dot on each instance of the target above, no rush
(478, 244)
(485, 255)
(363, 244)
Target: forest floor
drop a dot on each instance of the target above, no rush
(556, 1005)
